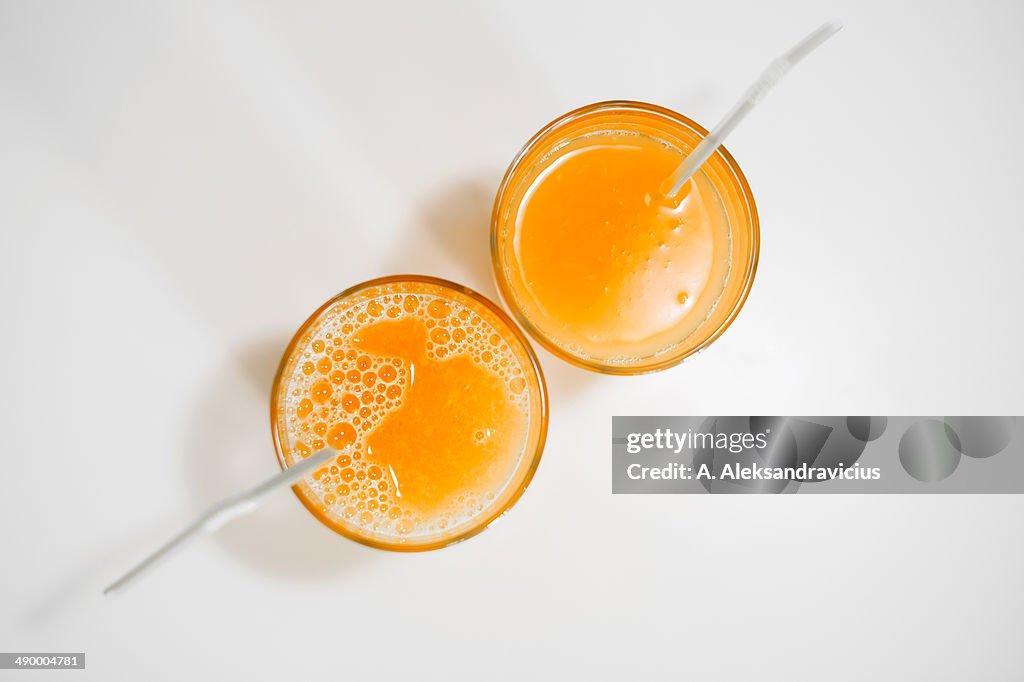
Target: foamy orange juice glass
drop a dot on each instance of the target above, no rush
(434, 400)
(600, 268)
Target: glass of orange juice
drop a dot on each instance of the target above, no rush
(434, 400)
(597, 265)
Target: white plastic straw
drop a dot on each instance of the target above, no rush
(224, 511)
(754, 94)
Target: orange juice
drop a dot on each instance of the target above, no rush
(597, 265)
(434, 401)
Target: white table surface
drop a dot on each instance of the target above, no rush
(182, 183)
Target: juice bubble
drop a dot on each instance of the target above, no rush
(439, 308)
(321, 391)
(341, 436)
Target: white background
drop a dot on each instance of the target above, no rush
(181, 184)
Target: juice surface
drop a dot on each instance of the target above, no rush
(427, 399)
(602, 266)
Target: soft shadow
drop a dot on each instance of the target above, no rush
(230, 448)
(564, 380)
(449, 236)
(69, 592)
(458, 219)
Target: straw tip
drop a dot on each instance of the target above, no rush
(832, 26)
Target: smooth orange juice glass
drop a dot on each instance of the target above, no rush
(434, 400)
(596, 265)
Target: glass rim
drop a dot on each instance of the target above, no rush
(670, 359)
(482, 521)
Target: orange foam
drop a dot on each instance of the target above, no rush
(428, 396)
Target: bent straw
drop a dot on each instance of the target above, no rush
(224, 511)
(754, 94)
